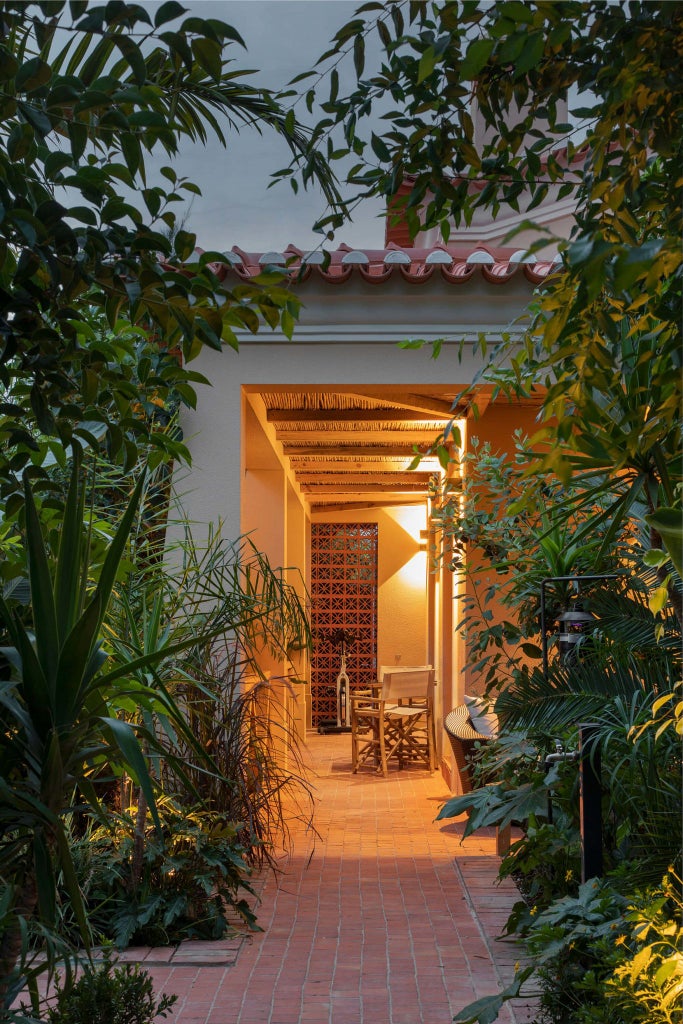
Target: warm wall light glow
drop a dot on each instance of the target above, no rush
(414, 573)
(412, 519)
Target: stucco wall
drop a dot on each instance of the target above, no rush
(496, 427)
(402, 581)
(348, 335)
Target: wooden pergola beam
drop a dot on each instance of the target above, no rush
(353, 451)
(363, 504)
(362, 488)
(367, 465)
(371, 436)
(343, 480)
(328, 416)
(419, 403)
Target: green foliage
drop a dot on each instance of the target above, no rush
(624, 678)
(57, 721)
(486, 1009)
(602, 337)
(609, 958)
(95, 680)
(118, 994)
(208, 616)
(190, 877)
(647, 981)
(244, 723)
(94, 98)
(508, 536)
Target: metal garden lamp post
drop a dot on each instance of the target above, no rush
(574, 625)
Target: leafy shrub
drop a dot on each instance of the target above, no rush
(118, 995)
(647, 984)
(177, 883)
(517, 786)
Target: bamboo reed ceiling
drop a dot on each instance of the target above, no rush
(353, 449)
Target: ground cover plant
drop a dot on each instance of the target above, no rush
(121, 995)
(93, 716)
(188, 880)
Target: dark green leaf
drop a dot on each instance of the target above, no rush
(71, 884)
(45, 881)
(476, 58)
(8, 64)
(487, 1009)
(32, 75)
(42, 597)
(532, 53)
(184, 244)
(427, 64)
(208, 56)
(126, 740)
(37, 118)
(669, 525)
(69, 558)
(359, 54)
(133, 55)
(168, 12)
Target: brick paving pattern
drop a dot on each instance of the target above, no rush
(384, 917)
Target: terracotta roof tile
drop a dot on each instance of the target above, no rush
(456, 264)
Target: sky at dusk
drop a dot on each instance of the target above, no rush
(283, 37)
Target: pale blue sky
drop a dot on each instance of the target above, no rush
(283, 37)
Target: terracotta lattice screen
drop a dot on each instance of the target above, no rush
(343, 596)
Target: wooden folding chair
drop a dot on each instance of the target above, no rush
(396, 720)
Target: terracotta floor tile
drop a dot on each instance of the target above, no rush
(386, 918)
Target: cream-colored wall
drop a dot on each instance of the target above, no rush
(263, 492)
(402, 581)
(347, 334)
(296, 573)
(497, 426)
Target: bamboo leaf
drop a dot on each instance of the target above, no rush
(133, 56)
(359, 54)
(168, 11)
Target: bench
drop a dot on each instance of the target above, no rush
(466, 725)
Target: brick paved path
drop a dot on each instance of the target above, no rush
(384, 918)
